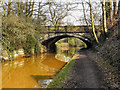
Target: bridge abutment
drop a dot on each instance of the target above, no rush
(51, 48)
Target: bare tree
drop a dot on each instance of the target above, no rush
(31, 11)
(84, 13)
(57, 12)
(111, 13)
(26, 9)
(115, 7)
(4, 9)
(20, 8)
(9, 8)
(107, 8)
(104, 17)
(93, 27)
(41, 14)
(119, 17)
(29, 8)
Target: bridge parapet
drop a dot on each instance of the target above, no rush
(70, 29)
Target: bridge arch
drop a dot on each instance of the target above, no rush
(50, 42)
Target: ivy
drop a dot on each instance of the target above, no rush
(20, 33)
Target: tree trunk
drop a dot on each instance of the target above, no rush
(86, 18)
(18, 10)
(115, 7)
(9, 8)
(84, 14)
(29, 8)
(107, 8)
(21, 8)
(39, 11)
(111, 13)
(31, 11)
(119, 18)
(93, 27)
(26, 11)
(4, 10)
(119, 10)
(32, 8)
(104, 18)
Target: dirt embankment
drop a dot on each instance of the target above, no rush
(110, 53)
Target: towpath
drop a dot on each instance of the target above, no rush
(85, 73)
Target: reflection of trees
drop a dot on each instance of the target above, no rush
(70, 52)
(62, 57)
(72, 42)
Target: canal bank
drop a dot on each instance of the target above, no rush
(62, 76)
(81, 72)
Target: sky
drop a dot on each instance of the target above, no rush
(76, 15)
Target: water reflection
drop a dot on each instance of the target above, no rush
(67, 54)
(62, 58)
(36, 71)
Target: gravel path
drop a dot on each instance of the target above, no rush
(85, 73)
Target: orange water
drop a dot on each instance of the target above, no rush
(33, 72)
(23, 72)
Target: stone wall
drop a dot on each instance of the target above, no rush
(70, 28)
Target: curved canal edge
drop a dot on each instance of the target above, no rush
(62, 76)
(85, 70)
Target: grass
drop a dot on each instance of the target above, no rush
(62, 76)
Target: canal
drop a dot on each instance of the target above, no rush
(36, 71)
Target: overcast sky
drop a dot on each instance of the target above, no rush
(76, 15)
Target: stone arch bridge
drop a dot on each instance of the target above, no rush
(51, 37)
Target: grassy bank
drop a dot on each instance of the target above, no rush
(62, 76)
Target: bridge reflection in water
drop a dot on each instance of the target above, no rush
(36, 71)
